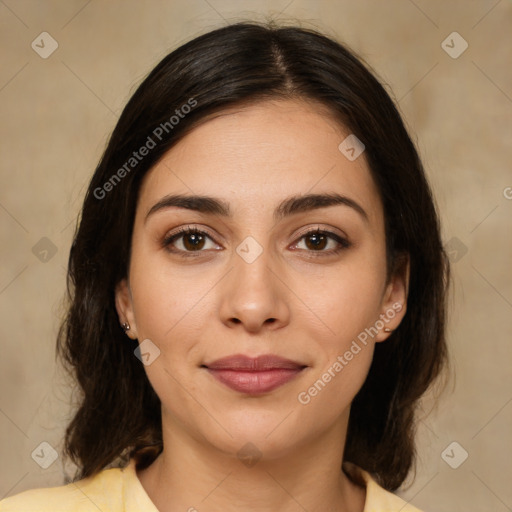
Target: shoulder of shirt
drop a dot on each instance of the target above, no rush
(378, 499)
(103, 491)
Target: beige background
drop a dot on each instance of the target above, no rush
(56, 114)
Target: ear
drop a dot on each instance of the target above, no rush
(124, 307)
(394, 300)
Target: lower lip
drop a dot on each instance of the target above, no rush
(254, 382)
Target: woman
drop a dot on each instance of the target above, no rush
(257, 288)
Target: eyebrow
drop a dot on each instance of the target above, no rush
(290, 206)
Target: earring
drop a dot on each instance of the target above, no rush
(125, 326)
(387, 329)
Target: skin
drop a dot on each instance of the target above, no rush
(214, 304)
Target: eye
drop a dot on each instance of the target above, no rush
(191, 241)
(316, 240)
(188, 241)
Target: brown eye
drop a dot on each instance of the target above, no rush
(317, 241)
(193, 241)
(188, 240)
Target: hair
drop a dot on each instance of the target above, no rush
(119, 413)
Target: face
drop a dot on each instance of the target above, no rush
(257, 273)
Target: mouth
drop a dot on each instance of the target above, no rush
(254, 376)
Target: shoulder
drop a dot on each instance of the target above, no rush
(378, 499)
(103, 491)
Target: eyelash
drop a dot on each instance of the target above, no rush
(169, 240)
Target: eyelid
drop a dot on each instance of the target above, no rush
(318, 227)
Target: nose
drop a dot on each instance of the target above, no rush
(253, 296)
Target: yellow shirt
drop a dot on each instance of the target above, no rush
(120, 490)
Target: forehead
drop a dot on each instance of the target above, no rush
(256, 155)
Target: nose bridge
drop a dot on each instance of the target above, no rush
(253, 295)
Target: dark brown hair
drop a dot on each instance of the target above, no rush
(119, 413)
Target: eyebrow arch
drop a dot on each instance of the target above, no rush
(290, 206)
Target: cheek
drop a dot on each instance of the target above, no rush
(172, 309)
(167, 307)
(342, 346)
(164, 299)
(343, 301)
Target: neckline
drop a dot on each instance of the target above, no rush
(135, 494)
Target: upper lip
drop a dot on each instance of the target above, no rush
(241, 362)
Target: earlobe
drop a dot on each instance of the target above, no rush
(124, 309)
(394, 304)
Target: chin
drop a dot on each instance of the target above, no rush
(265, 434)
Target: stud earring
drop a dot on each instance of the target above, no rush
(387, 329)
(125, 326)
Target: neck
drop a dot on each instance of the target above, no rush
(191, 475)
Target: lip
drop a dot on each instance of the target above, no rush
(254, 375)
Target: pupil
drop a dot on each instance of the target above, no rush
(320, 240)
(193, 240)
